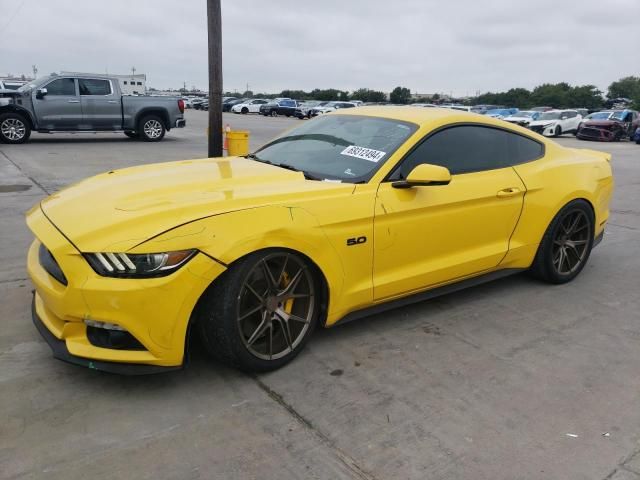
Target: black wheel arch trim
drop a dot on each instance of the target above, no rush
(20, 111)
(161, 112)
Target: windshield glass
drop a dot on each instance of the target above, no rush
(524, 114)
(338, 147)
(549, 116)
(599, 116)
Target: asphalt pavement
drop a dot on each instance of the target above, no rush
(509, 380)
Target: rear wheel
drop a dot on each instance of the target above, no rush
(151, 128)
(260, 314)
(14, 128)
(566, 245)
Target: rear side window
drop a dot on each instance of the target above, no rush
(288, 103)
(468, 148)
(90, 86)
(61, 86)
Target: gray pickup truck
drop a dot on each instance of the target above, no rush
(85, 103)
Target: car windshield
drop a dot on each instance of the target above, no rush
(599, 116)
(524, 114)
(549, 116)
(347, 148)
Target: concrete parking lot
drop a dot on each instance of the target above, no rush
(510, 380)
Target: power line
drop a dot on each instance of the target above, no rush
(4, 29)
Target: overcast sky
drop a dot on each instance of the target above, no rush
(459, 46)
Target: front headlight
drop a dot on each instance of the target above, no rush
(133, 265)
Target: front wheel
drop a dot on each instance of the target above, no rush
(558, 131)
(245, 110)
(261, 312)
(14, 128)
(566, 245)
(152, 128)
(274, 113)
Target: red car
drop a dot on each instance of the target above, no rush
(609, 125)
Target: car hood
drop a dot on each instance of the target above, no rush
(118, 210)
(537, 123)
(600, 123)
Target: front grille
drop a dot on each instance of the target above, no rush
(590, 132)
(51, 265)
(537, 128)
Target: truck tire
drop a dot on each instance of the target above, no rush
(151, 128)
(14, 128)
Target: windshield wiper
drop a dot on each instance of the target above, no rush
(253, 156)
(307, 175)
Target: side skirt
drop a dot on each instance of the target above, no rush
(428, 294)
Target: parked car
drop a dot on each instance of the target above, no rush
(304, 109)
(252, 255)
(249, 106)
(609, 125)
(427, 105)
(501, 112)
(196, 104)
(636, 137)
(542, 109)
(329, 107)
(554, 123)
(523, 117)
(85, 103)
(462, 108)
(227, 106)
(482, 109)
(282, 107)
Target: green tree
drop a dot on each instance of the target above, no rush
(627, 87)
(586, 96)
(400, 95)
(248, 94)
(366, 95)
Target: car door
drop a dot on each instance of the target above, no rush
(59, 108)
(101, 108)
(255, 106)
(426, 236)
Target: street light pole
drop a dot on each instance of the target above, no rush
(214, 26)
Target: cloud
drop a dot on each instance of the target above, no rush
(459, 46)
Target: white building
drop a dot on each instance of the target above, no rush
(129, 84)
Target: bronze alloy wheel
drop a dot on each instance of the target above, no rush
(276, 304)
(571, 242)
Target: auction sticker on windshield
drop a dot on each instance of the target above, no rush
(363, 153)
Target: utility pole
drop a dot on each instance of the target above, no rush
(214, 26)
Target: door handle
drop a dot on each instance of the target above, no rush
(112, 101)
(508, 192)
(73, 101)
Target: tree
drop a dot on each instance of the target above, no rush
(248, 94)
(366, 95)
(627, 87)
(586, 96)
(400, 95)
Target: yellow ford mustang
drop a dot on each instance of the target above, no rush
(348, 214)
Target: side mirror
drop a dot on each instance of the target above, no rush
(424, 175)
(41, 92)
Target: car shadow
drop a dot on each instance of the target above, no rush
(96, 139)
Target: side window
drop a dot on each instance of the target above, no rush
(62, 86)
(468, 148)
(90, 86)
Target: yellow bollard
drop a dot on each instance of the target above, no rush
(238, 143)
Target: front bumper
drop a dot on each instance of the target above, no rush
(546, 130)
(61, 352)
(155, 311)
(181, 123)
(598, 134)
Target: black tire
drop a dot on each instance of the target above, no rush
(274, 113)
(223, 330)
(637, 142)
(555, 238)
(558, 131)
(133, 135)
(151, 128)
(14, 128)
(245, 110)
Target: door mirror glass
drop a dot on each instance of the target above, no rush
(425, 174)
(41, 92)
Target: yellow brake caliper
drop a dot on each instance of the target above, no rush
(288, 305)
